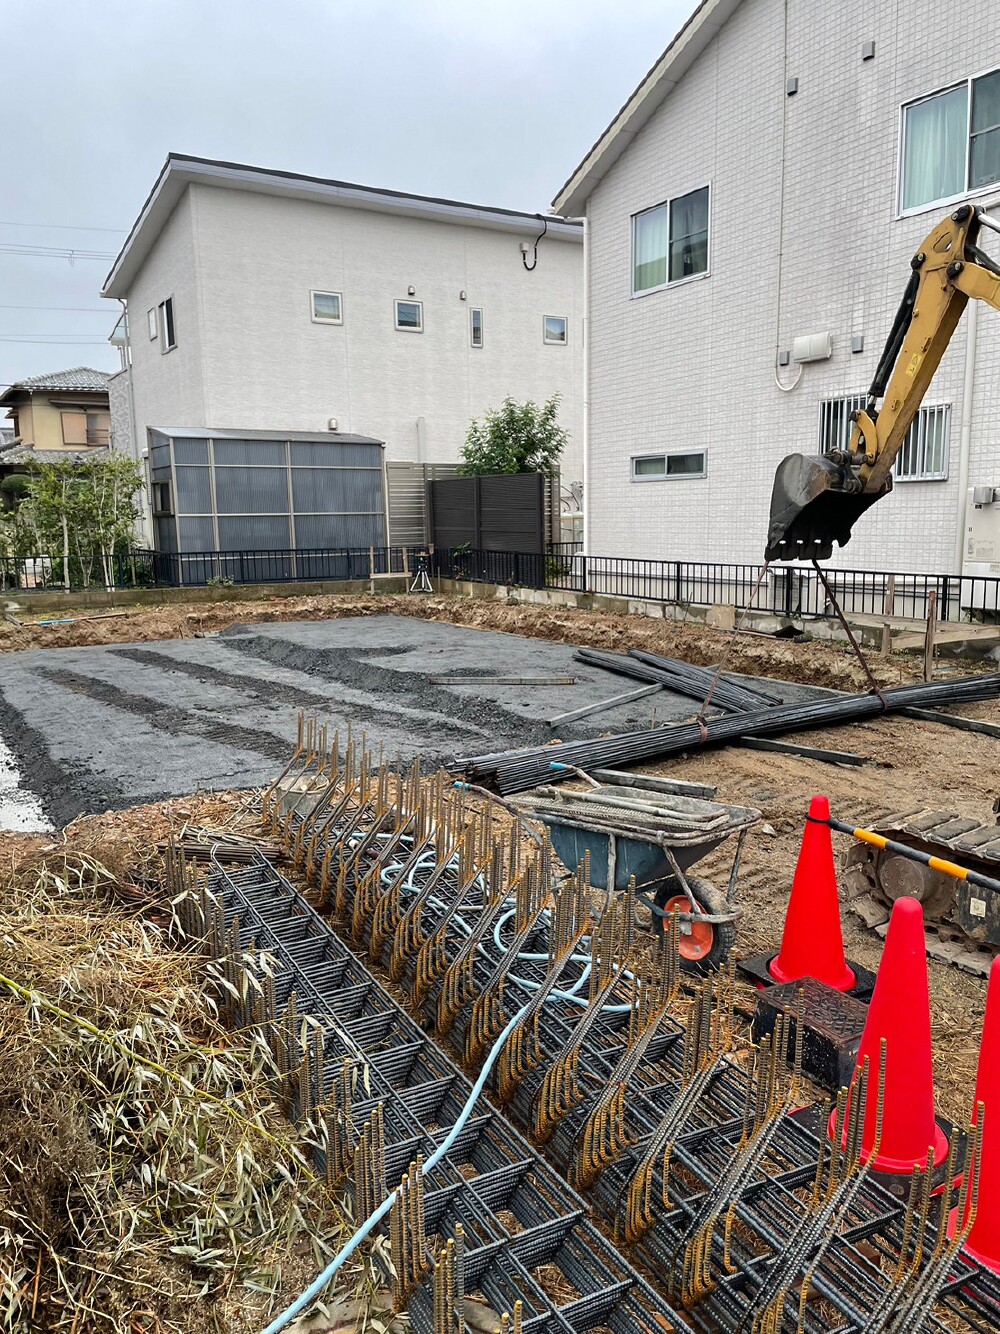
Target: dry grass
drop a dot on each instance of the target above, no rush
(148, 1181)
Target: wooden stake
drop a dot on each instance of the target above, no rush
(888, 607)
(929, 640)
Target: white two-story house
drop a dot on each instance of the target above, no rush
(768, 182)
(270, 303)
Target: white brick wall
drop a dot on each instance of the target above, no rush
(241, 266)
(694, 365)
(168, 387)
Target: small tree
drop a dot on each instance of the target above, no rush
(516, 437)
(85, 510)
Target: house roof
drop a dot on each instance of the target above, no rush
(79, 379)
(179, 171)
(296, 437)
(652, 92)
(19, 454)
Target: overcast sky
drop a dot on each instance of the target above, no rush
(490, 101)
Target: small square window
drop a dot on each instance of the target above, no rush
(327, 308)
(555, 328)
(151, 323)
(410, 316)
(167, 339)
(476, 326)
(161, 498)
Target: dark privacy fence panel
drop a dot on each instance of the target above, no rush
(502, 513)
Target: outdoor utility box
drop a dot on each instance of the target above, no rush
(813, 347)
(981, 562)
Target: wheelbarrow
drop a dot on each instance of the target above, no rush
(650, 831)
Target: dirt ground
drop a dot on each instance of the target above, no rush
(810, 663)
(911, 763)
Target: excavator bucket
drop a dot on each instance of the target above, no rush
(811, 508)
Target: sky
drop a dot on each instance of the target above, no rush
(488, 101)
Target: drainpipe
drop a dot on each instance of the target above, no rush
(586, 387)
(965, 435)
(133, 429)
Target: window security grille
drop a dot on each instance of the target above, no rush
(924, 455)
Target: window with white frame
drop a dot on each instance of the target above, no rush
(924, 453)
(476, 326)
(658, 467)
(166, 325)
(951, 143)
(670, 242)
(410, 316)
(151, 323)
(555, 329)
(327, 307)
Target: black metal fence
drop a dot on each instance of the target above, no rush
(791, 591)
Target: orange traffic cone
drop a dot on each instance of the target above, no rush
(983, 1242)
(900, 1014)
(812, 944)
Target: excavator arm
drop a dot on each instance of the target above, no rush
(816, 499)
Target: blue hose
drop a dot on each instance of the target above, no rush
(373, 1219)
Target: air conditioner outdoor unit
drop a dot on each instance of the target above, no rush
(981, 560)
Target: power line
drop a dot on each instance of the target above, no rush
(62, 227)
(93, 310)
(44, 337)
(54, 252)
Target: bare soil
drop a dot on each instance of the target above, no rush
(811, 663)
(911, 763)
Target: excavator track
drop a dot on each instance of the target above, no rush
(962, 920)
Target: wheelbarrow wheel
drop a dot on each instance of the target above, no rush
(707, 945)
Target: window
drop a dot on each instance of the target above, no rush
(151, 323)
(161, 498)
(555, 329)
(167, 340)
(82, 428)
(410, 316)
(670, 242)
(476, 326)
(924, 454)
(327, 308)
(656, 467)
(951, 143)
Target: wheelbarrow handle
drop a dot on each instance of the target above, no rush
(691, 916)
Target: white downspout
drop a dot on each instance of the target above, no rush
(586, 386)
(965, 435)
(147, 505)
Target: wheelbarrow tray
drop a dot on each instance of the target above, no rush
(630, 831)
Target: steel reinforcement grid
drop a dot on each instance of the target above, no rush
(696, 1156)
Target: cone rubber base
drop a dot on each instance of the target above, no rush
(845, 982)
(896, 1166)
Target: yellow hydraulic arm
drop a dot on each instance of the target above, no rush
(816, 500)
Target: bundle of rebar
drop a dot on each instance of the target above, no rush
(728, 694)
(516, 770)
